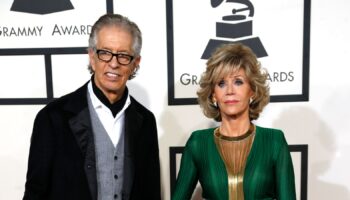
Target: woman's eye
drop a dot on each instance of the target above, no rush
(238, 82)
(221, 84)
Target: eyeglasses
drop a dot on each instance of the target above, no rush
(107, 56)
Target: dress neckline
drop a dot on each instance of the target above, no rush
(235, 138)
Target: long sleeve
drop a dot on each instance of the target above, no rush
(40, 159)
(285, 184)
(268, 174)
(201, 162)
(151, 170)
(187, 177)
(269, 171)
(142, 150)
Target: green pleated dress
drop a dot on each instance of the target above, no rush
(268, 173)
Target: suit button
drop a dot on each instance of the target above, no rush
(89, 166)
(115, 176)
(115, 196)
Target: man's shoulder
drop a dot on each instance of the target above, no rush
(75, 99)
(139, 107)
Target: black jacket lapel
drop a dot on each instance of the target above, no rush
(81, 128)
(80, 125)
(133, 121)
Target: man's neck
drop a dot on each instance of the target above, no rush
(116, 106)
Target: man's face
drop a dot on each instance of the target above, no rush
(111, 77)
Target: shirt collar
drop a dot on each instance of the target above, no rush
(97, 104)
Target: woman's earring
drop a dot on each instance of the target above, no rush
(250, 100)
(215, 104)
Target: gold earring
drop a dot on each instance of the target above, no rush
(214, 103)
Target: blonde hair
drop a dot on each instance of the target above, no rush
(226, 59)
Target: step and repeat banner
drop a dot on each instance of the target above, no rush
(192, 36)
(40, 43)
(43, 56)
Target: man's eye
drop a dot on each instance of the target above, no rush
(104, 53)
(124, 56)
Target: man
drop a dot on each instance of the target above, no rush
(98, 142)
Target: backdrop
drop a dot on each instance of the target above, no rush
(302, 44)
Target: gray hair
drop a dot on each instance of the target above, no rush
(118, 21)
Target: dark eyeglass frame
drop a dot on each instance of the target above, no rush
(119, 56)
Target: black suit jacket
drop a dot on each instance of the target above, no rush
(62, 162)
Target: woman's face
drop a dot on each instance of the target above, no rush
(232, 95)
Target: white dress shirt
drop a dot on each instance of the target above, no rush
(114, 126)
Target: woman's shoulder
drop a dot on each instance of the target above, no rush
(268, 130)
(199, 140)
(272, 134)
(201, 134)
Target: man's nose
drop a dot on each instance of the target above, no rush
(114, 62)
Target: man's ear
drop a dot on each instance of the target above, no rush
(91, 58)
(137, 62)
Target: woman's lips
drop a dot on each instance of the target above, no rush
(231, 101)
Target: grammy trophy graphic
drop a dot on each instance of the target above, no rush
(234, 27)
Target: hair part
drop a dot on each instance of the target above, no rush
(230, 58)
(116, 20)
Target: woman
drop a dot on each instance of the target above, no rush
(237, 160)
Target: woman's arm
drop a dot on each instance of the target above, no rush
(187, 177)
(285, 184)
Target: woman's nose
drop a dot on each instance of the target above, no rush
(230, 89)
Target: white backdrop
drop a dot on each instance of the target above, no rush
(322, 122)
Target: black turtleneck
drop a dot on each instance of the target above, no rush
(115, 107)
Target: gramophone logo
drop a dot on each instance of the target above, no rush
(41, 6)
(249, 22)
(234, 28)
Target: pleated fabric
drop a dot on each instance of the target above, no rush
(268, 172)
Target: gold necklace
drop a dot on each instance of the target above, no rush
(234, 152)
(235, 138)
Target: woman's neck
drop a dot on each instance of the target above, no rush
(234, 127)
